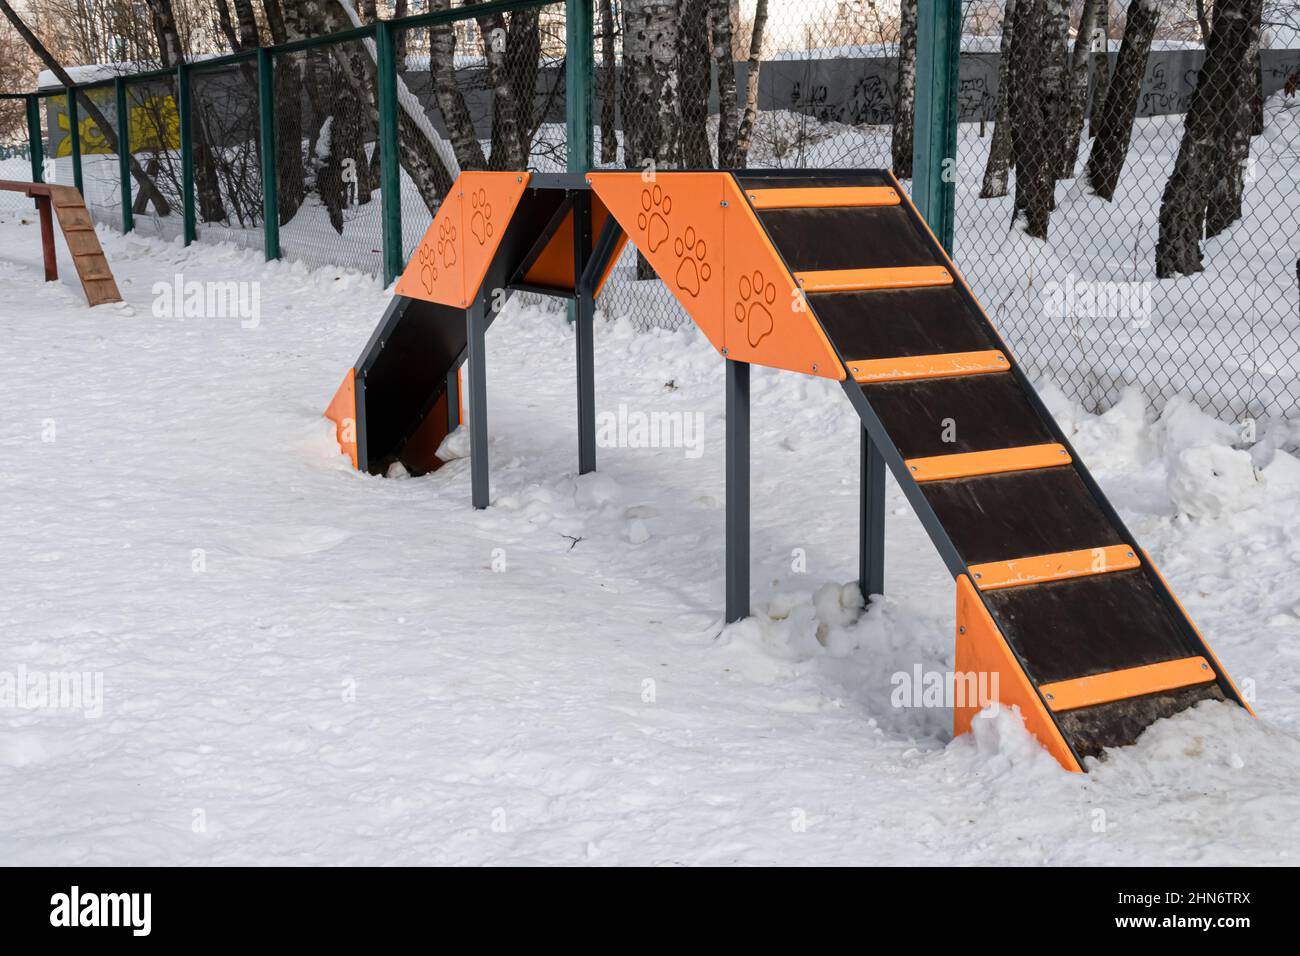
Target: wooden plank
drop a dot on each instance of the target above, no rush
(997, 461)
(911, 368)
(1053, 567)
(867, 280)
(824, 198)
(1126, 683)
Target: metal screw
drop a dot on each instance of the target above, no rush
(723, 204)
(1049, 697)
(520, 179)
(914, 467)
(724, 351)
(1002, 358)
(1062, 451)
(1204, 666)
(814, 366)
(962, 629)
(978, 575)
(1129, 553)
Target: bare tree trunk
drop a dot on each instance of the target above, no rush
(148, 188)
(724, 62)
(1080, 61)
(650, 94)
(249, 37)
(693, 56)
(1100, 67)
(1109, 149)
(997, 168)
(1216, 106)
(207, 186)
(607, 80)
(523, 54)
(447, 92)
(1056, 85)
(750, 116)
(1034, 181)
(505, 152)
(1232, 150)
(905, 93)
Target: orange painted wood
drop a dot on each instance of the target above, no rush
(984, 657)
(342, 411)
(871, 280)
(1053, 567)
(824, 198)
(969, 464)
(1126, 683)
(908, 368)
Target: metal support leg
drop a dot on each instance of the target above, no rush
(871, 521)
(584, 329)
(737, 490)
(453, 399)
(476, 324)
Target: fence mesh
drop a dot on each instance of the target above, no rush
(227, 153)
(15, 158)
(1130, 219)
(491, 90)
(154, 140)
(327, 156)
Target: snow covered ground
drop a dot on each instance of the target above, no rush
(300, 664)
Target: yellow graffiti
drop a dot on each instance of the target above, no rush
(155, 125)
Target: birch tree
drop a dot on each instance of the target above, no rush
(1085, 41)
(1213, 117)
(1034, 182)
(905, 92)
(1115, 130)
(997, 167)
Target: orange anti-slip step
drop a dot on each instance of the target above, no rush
(997, 461)
(1126, 683)
(873, 280)
(911, 368)
(823, 198)
(1053, 567)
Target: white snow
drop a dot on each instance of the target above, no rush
(301, 664)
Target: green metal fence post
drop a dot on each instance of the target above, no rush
(34, 141)
(124, 152)
(270, 191)
(579, 59)
(579, 62)
(74, 131)
(389, 169)
(187, 152)
(934, 153)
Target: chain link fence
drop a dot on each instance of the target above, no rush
(1130, 218)
(1124, 223)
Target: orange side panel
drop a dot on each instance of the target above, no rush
(1129, 682)
(1054, 567)
(871, 280)
(342, 412)
(823, 198)
(969, 464)
(451, 260)
(866, 371)
(1217, 666)
(436, 272)
(676, 222)
(982, 651)
(554, 267)
(767, 318)
(699, 233)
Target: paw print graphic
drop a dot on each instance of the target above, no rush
(654, 207)
(692, 271)
(756, 295)
(447, 243)
(428, 267)
(481, 222)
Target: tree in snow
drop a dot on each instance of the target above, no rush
(1115, 128)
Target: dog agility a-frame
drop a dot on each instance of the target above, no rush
(832, 274)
